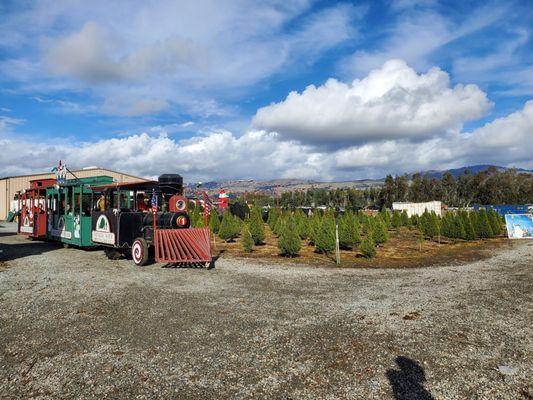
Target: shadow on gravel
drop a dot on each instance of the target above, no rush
(18, 250)
(7, 233)
(408, 382)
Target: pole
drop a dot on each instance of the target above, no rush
(337, 247)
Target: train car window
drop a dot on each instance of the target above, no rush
(86, 204)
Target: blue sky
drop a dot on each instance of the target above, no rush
(204, 87)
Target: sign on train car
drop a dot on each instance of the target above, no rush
(69, 210)
(32, 209)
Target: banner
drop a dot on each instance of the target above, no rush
(519, 226)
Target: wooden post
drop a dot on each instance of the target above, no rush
(337, 247)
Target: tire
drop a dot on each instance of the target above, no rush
(139, 252)
(111, 253)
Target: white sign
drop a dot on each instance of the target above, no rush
(103, 233)
(26, 229)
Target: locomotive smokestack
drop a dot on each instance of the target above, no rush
(171, 183)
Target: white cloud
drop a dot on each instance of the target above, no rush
(220, 154)
(201, 50)
(393, 102)
(417, 33)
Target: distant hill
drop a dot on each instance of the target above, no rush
(283, 185)
(474, 169)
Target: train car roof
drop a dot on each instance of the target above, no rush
(146, 185)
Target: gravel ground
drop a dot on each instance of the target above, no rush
(76, 325)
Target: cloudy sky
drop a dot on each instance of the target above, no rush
(217, 89)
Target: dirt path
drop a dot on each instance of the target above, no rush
(76, 325)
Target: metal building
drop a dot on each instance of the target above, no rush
(419, 208)
(11, 185)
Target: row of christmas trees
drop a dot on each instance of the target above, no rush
(355, 230)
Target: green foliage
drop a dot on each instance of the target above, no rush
(273, 215)
(196, 218)
(349, 236)
(368, 247)
(257, 226)
(447, 226)
(315, 225)
(325, 236)
(229, 227)
(406, 221)
(289, 241)
(214, 221)
(380, 233)
(396, 220)
(278, 226)
(385, 217)
(302, 224)
(495, 222)
(429, 224)
(483, 229)
(246, 239)
(459, 231)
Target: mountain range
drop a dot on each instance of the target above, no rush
(282, 185)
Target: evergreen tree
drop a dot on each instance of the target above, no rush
(325, 237)
(196, 218)
(314, 228)
(214, 221)
(368, 247)
(483, 228)
(273, 216)
(385, 216)
(459, 231)
(280, 223)
(406, 221)
(447, 226)
(246, 239)
(289, 242)
(469, 222)
(349, 231)
(257, 226)
(396, 220)
(229, 228)
(380, 233)
(495, 222)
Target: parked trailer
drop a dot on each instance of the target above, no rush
(69, 210)
(32, 209)
(123, 222)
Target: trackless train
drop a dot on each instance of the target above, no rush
(140, 220)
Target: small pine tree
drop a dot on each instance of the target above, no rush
(385, 216)
(273, 215)
(483, 228)
(280, 223)
(246, 239)
(379, 233)
(495, 222)
(396, 220)
(406, 221)
(459, 230)
(214, 221)
(228, 227)
(257, 226)
(447, 226)
(289, 242)
(325, 237)
(368, 247)
(196, 218)
(314, 228)
(349, 231)
(469, 224)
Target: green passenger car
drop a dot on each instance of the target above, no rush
(69, 210)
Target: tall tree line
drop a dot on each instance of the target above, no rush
(486, 187)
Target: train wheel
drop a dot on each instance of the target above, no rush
(139, 252)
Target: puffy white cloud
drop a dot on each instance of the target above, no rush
(392, 102)
(216, 155)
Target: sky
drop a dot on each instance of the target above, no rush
(222, 89)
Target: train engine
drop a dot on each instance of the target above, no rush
(123, 222)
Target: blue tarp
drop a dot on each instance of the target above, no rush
(506, 208)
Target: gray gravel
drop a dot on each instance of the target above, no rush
(76, 325)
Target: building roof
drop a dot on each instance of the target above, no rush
(75, 170)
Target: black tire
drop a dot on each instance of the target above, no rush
(111, 253)
(139, 252)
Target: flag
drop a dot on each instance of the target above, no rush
(208, 204)
(154, 201)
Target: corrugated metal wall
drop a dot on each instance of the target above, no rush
(11, 185)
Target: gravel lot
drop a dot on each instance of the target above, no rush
(76, 325)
